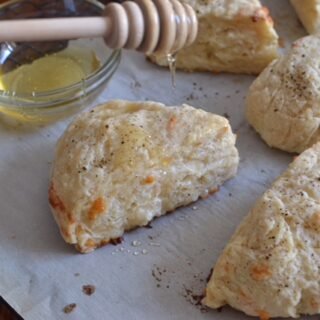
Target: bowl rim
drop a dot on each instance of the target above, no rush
(114, 56)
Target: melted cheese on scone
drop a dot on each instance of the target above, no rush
(283, 103)
(271, 265)
(309, 14)
(234, 36)
(125, 163)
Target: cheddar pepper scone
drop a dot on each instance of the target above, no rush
(309, 14)
(271, 266)
(283, 103)
(124, 163)
(234, 36)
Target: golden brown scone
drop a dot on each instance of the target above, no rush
(125, 163)
(309, 14)
(283, 103)
(271, 266)
(234, 36)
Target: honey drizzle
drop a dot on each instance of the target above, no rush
(171, 59)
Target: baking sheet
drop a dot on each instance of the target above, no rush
(156, 273)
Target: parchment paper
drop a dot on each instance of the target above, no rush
(156, 273)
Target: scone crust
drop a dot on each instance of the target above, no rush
(125, 163)
(270, 267)
(234, 36)
(309, 14)
(229, 9)
(283, 103)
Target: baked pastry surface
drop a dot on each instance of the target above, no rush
(271, 265)
(234, 36)
(308, 12)
(125, 163)
(283, 103)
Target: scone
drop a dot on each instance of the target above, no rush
(308, 12)
(234, 36)
(283, 103)
(125, 163)
(271, 266)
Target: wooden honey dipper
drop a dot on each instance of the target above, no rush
(145, 25)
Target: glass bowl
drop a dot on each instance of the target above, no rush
(70, 78)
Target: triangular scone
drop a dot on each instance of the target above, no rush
(309, 14)
(125, 163)
(271, 266)
(283, 103)
(234, 36)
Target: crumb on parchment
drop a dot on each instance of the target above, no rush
(69, 308)
(88, 289)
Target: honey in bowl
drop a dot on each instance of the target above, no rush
(42, 82)
(51, 72)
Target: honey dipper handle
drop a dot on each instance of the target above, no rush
(53, 29)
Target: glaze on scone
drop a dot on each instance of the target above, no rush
(309, 14)
(234, 36)
(271, 266)
(283, 103)
(125, 163)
